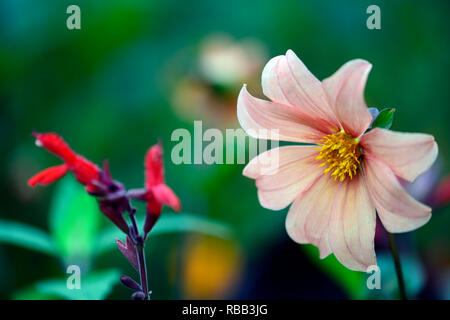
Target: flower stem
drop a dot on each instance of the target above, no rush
(139, 244)
(398, 266)
(142, 270)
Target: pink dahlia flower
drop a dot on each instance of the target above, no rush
(337, 184)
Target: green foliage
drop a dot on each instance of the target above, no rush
(384, 119)
(26, 236)
(352, 282)
(74, 219)
(32, 293)
(94, 286)
(168, 223)
(186, 222)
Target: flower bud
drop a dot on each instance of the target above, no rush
(139, 295)
(130, 283)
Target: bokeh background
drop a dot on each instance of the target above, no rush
(136, 71)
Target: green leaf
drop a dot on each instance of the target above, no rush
(26, 236)
(169, 223)
(384, 119)
(95, 286)
(74, 219)
(352, 282)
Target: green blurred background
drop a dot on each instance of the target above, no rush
(136, 71)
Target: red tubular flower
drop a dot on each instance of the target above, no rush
(98, 182)
(85, 171)
(156, 192)
(155, 183)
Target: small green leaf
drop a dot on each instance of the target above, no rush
(185, 222)
(169, 223)
(74, 219)
(94, 286)
(26, 236)
(384, 119)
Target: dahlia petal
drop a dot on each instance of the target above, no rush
(316, 224)
(311, 88)
(308, 217)
(48, 176)
(296, 170)
(345, 90)
(270, 84)
(352, 226)
(277, 197)
(56, 145)
(324, 246)
(268, 120)
(286, 80)
(398, 211)
(163, 194)
(285, 155)
(154, 169)
(407, 154)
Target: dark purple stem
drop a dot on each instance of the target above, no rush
(139, 244)
(142, 270)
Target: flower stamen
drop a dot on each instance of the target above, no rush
(341, 154)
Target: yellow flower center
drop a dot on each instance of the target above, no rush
(341, 154)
